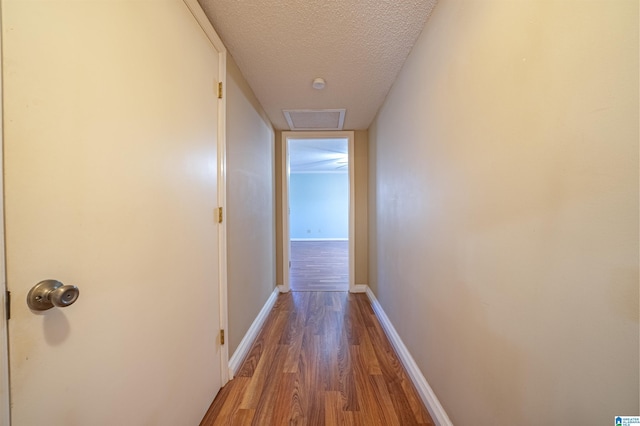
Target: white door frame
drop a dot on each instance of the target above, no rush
(205, 24)
(203, 21)
(286, 238)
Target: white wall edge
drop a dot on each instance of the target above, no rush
(419, 381)
(285, 231)
(245, 344)
(351, 136)
(205, 24)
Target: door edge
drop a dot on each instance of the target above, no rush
(202, 20)
(5, 395)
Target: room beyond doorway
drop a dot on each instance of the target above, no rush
(319, 266)
(318, 243)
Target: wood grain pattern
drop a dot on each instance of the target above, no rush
(319, 266)
(321, 359)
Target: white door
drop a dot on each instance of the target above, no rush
(110, 120)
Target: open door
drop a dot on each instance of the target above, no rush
(111, 184)
(327, 136)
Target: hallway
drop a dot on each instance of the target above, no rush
(322, 358)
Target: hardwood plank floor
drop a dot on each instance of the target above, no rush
(322, 358)
(319, 266)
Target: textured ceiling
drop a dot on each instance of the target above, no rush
(357, 46)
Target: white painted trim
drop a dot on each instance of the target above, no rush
(245, 344)
(285, 237)
(202, 20)
(352, 213)
(222, 202)
(205, 24)
(420, 382)
(319, 239)
(5, 397)
(285, 287)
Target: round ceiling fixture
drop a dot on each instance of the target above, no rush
(319, 83)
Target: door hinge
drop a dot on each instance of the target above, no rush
(220, 90)
(222, 337)
(219, 214)
(8, 304)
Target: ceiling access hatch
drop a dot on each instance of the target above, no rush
(315, 119)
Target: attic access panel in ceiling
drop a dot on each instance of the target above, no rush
(315, 119)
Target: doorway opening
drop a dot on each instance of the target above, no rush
(318, 242)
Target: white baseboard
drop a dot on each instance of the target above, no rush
(319, 239)
(420, 382)
(360, 288)
(245, 344)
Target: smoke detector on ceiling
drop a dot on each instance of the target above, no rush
(315, 119)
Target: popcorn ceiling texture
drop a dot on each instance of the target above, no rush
(358, 47)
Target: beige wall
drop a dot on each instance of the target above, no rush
(361, 165)
(250, 206)
(505, 239)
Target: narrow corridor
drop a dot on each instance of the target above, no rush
(322, 358)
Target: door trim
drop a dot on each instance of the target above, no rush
(285, 237)
(200, 17)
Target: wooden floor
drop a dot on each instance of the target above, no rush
(321, 359)
(319, 265)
